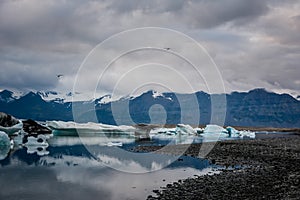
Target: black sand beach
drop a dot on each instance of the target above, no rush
(263, 168)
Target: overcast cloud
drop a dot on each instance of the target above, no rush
(254, 43)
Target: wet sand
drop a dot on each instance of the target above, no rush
(263, 168)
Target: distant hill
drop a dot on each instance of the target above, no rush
(257, 107)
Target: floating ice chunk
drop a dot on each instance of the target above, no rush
(4, 145)
(167, 131)
(235, 133)
(184, 129)
(199, 130)
(182, 134)
(181, 129)
(9, 124)
(163, 134)
(111, 144)
(232, 131)
(32, 127)
(166, 135)
(211, 128)
(214, 133)
(72, 128)
(4, 139)
(229, 132)
(249, 134)
(13, 130)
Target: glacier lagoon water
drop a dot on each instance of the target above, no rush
(70, 169)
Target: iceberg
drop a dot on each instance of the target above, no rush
(249, 134)
(182, 134)
(32, 128)
(211, 128)
(111, 144)
(9, 124)
(4, 139)
(199, 130)
(241, 134)
(163, 135)
(165, 131)
(212, 133)
(4, 145)
(61, 128)
(232, 131)
(229, 132)
(181, 129)
(184, 129)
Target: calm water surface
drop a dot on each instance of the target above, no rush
(74, 168)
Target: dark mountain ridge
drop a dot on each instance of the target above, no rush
(257, 108)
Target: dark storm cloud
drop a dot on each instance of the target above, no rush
(207, 14)
(46, 25)
(39, 39)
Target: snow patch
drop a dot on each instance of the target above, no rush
(156, 94)
(104, 99)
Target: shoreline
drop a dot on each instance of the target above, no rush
(258, 168)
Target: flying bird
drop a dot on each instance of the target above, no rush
(59, 75)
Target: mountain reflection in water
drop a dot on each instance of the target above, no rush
(78, 168)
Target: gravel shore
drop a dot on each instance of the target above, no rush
(266, 168)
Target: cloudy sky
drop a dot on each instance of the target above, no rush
(252, 43)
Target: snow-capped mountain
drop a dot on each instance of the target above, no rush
(63, 97)
(7, 95)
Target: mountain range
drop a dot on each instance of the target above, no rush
(257, 108)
